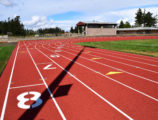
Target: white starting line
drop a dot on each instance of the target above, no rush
(27, 86)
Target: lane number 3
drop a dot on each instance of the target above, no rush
(22, 100)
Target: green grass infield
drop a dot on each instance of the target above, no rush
(144, 47)
(5, 52)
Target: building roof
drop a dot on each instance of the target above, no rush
(98, 23)
(137, 28)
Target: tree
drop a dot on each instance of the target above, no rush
(139, 18)
(124, 25)
(76, 29)
(149, 21)
(18, 28)
(71, 30)
(55, 31)
(12, 26)
(121, 24)
(127, 25)
(145, 19)
(30, 32)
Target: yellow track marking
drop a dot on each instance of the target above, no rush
(112, 73)
(96, 58)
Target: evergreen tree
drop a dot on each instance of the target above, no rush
(139, 18)
(121, 24)
(127, 25)
(18, 28)
(71, 30)
(55, 31)
(124, 25)
(76, 29)
(12, 26)
(145, 19)
(149, 21)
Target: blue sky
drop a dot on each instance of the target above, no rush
(71, 15)
(66, 13)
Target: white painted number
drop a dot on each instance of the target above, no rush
(49, 67)
(22, 100)
(54, 56)
(58, 50)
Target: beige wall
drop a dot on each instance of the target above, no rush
(100, 31)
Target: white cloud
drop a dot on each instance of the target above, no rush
(28, 8)
(5, 2)
(65, 24)
(42, 22)
(39, 22)
(129, 15)
(114, 16)
(99, 10)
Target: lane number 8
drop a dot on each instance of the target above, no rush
(22, 100)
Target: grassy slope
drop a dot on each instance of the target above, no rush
(145, 47)
(5, 52)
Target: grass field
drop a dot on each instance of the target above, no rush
(5, 52)
(143, 47)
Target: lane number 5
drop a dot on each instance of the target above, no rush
(22, 100)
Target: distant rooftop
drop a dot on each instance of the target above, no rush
(95, 22)
(138, 28)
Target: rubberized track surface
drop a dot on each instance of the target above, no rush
(56, 79)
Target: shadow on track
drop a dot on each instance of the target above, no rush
(30, 114)
(89, 46)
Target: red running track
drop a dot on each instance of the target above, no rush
(57, 79)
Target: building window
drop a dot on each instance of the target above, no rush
(94, 26)
(108, 26)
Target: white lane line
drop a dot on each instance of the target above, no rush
(125, 59)
(121, 58)
(116, 68)
(134, 66)
(102, 53)
(129, 55)
(97, 94)
(26, 86)
(113, 79)
(10, 79)
(44, 63)
(55, 102)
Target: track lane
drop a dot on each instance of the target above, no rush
(45, 96)
(132, 81)
(151, 68)
(102, 86)
(22, 77)
(4, 82)
(131, 61)
(136, 106)
(150, 76)
(83, 107)
(121, 53)
(139, 84)
(88, 57)
(148, 59)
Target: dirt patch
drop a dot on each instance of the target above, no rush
(7, 43)
(154, 54)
